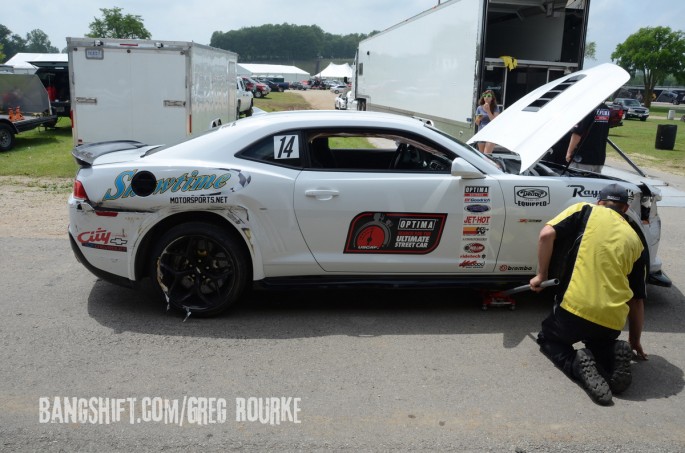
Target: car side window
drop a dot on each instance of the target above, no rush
(282, 149)
(373, 150)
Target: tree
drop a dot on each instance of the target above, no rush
(115, 25)
(657, 52)
(38, 42)
(591, 50)
(11, 43)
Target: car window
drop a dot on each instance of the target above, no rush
(374, 150)
(282, 149)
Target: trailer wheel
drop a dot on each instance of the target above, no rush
(6, 137)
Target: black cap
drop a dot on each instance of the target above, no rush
(614, 192)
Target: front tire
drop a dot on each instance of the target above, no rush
(258, 94)
(199, 269)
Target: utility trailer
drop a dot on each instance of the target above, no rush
(154, 92)
(24, 105)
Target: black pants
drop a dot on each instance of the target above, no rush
(562, 329)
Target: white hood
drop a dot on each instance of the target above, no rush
(538, 120)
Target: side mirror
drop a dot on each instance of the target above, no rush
(462, 168)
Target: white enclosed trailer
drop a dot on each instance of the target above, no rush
(435, 65)
(155, 92)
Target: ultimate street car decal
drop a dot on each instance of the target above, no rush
(407, 233)
(186, 182)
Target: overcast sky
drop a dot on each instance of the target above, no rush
(611, 21)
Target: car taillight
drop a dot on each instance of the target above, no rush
(79, 191)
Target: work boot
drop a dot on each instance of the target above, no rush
(621, 377)
(585, 370)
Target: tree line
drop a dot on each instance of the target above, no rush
(286, 42)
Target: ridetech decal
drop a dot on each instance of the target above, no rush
(103, 240)
(531, 196)
(186, 182)
(409, 233)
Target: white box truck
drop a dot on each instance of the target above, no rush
(434, 66)
(155, 92)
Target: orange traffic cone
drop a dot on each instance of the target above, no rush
(11, 114)
(18, 115)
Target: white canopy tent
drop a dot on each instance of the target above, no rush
(288, 73)
(336, 71)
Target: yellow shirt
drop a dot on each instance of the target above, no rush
(606, 253)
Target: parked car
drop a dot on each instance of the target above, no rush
(278, 85)
(632, 108)
(339, 88)
(244, 102)
(345, 101)
(258, 89)
(281, 200)
(616, 115)
(298, 86)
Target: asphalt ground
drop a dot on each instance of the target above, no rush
(370, 370)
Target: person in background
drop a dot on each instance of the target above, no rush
(486, 111)
(602, 283)
(587, 147)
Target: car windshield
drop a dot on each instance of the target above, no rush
(631, 103)
(467, 148)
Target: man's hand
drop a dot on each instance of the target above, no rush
(535, 283)
(637, 347)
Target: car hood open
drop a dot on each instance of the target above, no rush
(538, 120)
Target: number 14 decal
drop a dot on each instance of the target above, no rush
(286, 147)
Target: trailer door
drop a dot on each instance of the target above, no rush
(129, 93)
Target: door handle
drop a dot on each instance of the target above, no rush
(322, 194)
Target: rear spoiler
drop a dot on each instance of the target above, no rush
(85, 155)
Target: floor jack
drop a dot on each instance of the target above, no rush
(504, 299)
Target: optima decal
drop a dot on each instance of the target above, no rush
(531, 196)
(407, 233)
(477, 194)
(187, 182)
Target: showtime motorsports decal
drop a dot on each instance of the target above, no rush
(185, 183)
(404, 233)
(531, 196)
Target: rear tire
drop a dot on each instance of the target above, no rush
(199, 268)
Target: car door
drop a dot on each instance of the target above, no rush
(399, 220)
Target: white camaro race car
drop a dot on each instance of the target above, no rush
(292, 199)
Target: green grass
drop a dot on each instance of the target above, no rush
(41, 153)
(637, 139)
(47, 153)
(276, 102)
